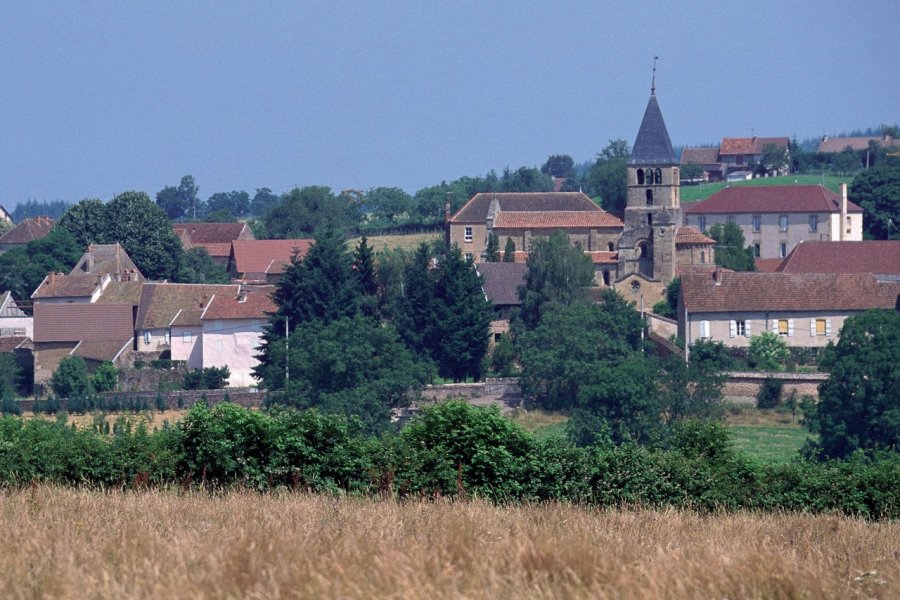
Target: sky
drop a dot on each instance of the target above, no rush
(97, 98)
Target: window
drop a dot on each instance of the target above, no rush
(468, 234)
(702, 257)
(186, 337)
(166, 337)
(730, 219)
(813, 222)
(497, 337)
(635, 285)
(147, 337)
(606, 278)
(756, 250)
(740, 328)
(782, 250)
(818, 327)
(701, 223)
(657, 177)
(640, 177)
(468, 257)
(610, 246)
(704, 329)
(784, 327)
(757, 223)
(649, 197)
(782, 223)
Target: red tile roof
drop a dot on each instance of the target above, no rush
(57, 285)
(266, 256)
(689, 235)
(28, 230)
(760, 292)
(476, 209)
(744, 199)
(767, 265)
(603, 257)
(161, 303)
(250, 303)
(880, 257)
(556, 219)
(700, 156)
(751, 145)
(82, 322)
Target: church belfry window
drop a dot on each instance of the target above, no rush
(649, 197)
(640, 177)
(657, 177)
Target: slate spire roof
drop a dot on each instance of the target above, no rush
(652, 145)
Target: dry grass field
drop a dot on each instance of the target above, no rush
(406, 242)
(64, 543)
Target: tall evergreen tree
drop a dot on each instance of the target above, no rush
(492, 251)
(509, 252)
(461, 318)
(415, 318)
(366, 276)
(319, 287)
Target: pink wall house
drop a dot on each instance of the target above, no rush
(232, 328)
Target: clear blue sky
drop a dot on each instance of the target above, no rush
(101, 97)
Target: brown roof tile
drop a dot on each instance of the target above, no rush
(744, 199)
(211, 233)
(742, 292)
(768, 265)
(880, 257)
(11, 342)
(161, 302)
(689, 235)
(121, 292)
(57, 285)
(603, 257)
(28, 230)
(102, 350)
(476, 209)
(266, 256)
(855, 143)
(82, 322)
(251, 303)
(751, 145)
(501, 282)
(700, 156)
(106, 259)
(556, 219)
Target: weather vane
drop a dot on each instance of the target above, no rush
(653, 83)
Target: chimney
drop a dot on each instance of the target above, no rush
(717, 275)
(447, 208)
(51, 278)
(842, 224)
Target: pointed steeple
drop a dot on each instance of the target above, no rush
(652, 145)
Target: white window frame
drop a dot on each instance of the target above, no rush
(704, 329)
(783, 223)
(147, 337)
(701, 223)
(468, 234)
(814, 329)
(782, 249)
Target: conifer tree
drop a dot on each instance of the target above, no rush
(509, 252)
(492, 251)
(415, 318)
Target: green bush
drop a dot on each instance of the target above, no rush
(209, 378)
(71, 378)
(768, 352)
(769, 394)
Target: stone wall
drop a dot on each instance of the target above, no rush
(742, 386)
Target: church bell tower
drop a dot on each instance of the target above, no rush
(653, 208)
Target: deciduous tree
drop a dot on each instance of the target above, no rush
(731, 251)
(558, 273)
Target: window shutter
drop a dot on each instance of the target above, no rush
(812, 328)
(790, 327)
(747, 328)
(775, 326)
(704, 329)
(732, 328)
(827, 327)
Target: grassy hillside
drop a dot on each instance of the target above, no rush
(695, 193)
(68, 543)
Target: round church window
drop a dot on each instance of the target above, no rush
(635, 285)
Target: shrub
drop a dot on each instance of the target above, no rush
(105, 377)
(71, 378)
(209, 378)
(769, 394)
(768, 352)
